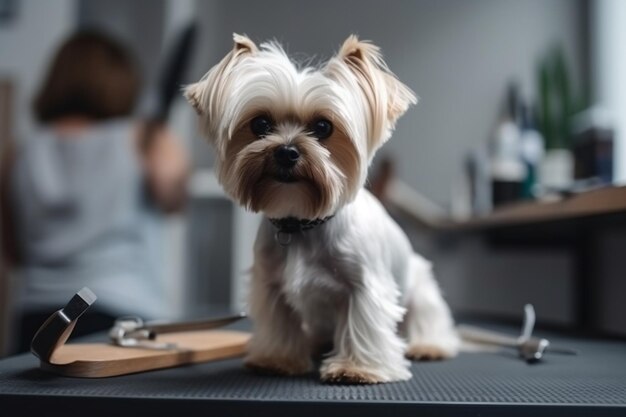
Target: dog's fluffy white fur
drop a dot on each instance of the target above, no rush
(353, 283)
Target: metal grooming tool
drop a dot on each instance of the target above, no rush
(55, 331)
(530, 348)
(133, 332)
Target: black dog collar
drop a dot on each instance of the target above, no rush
(287, 226)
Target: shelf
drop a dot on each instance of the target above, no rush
(604, 201)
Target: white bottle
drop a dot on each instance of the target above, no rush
(532, 150)
(508, 171)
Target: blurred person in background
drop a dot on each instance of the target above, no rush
(88, 191)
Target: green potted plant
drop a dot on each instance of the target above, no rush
(557, 104)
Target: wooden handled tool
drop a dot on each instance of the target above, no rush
(135, 347)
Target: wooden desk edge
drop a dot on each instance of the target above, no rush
(588, 204)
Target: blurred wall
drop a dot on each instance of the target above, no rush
(457, 55)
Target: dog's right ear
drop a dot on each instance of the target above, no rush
(193, 93)
(204, 95)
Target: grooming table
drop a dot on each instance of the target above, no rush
(593, 383)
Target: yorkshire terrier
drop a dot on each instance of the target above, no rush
(331, 267)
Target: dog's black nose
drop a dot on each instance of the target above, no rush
(286, 156)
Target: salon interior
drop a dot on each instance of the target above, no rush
(507, 175)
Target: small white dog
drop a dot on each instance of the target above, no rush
(331, 267)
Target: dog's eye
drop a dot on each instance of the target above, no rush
(261, 126)
(321, 128)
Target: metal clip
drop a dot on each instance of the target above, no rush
(132, 331)
(283, 238)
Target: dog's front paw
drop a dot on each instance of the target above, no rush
(345, 372)
(429, 352)
(269, 365)
(338, 373)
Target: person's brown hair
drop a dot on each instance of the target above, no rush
(93, 76)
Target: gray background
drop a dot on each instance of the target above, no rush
(457, 55)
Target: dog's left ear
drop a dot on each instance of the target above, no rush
(387, 97)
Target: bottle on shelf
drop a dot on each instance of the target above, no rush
(532, 149)
(507, 169)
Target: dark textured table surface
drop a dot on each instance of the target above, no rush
(593, 383)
